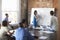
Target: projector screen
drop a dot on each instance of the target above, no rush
(44, 14)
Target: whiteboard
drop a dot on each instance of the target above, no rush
(44, 13)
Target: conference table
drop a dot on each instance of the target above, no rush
(42, 34)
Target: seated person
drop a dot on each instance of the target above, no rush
(21, 33)
(4, 30)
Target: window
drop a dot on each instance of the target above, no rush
(12, 8)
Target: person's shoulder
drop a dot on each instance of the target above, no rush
(19, 29)
(52, 17)
(37, 15)
(55, 17)
(3, 27)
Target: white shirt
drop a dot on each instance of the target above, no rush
(54, 23)
(3, 31)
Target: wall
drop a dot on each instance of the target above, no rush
(23, 8)
(58, 15)
(39, 4)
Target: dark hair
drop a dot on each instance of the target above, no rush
(4, 23)
(20, 24)
(6, 14)
(51, 12)
(23, 22)
(35, 11)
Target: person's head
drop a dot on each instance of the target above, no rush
(23, 23)
(4, 23)
(51, 13)
(35, 12)
(6, 15)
